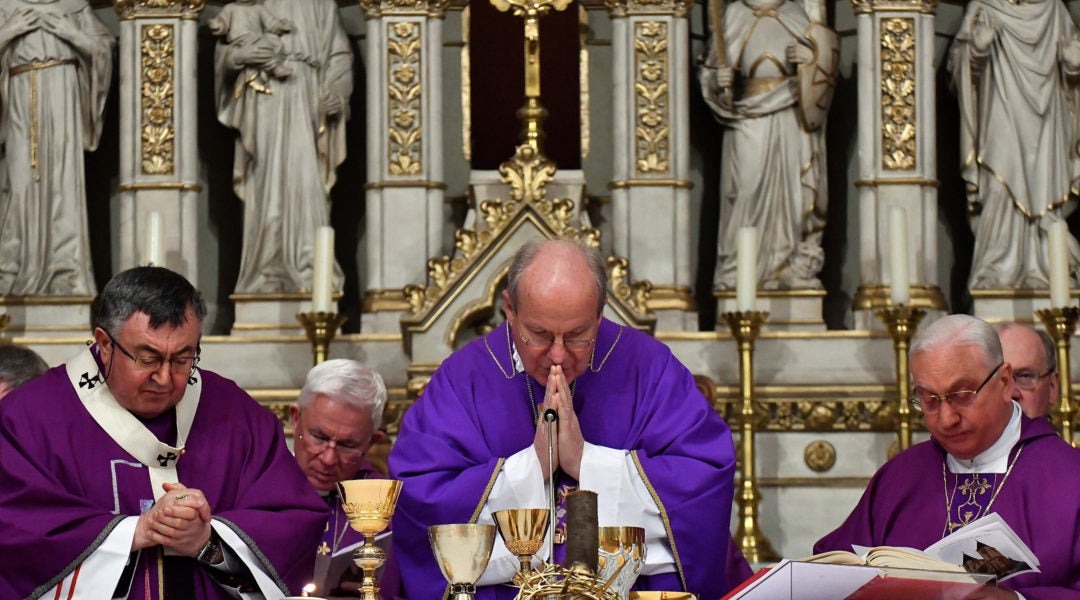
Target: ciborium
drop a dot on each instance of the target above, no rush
(522, 530)
(369, 504)
(622, 554)
(462, 552)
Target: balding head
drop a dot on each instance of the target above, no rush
(560, 266)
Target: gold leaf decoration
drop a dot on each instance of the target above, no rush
(158, 54)
(651, 130)
(404, 91)
(898, 93)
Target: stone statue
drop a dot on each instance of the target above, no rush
(291, 131)
(1014, 68)
(55, 70)
(770, 85)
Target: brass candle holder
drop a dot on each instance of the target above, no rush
(745, 327)
(902, 321)
(320, 327)
(369, 504)
(1060, 323)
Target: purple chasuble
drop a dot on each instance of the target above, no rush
(907, 500)
(65, 484)
(471, 417)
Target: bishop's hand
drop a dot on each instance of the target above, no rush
(570, 441)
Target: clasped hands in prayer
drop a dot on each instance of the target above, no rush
(567, 441)
(179, 520)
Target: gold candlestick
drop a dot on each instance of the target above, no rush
(745, 326)
(1060, 323)
(902, 321)
(321, 327)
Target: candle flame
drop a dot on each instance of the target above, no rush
(307, 589)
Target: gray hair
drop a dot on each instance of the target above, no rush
(347, 381)
(960, 330)
(165, 296)
(1047, 342)
(528, 252)
(19, 364)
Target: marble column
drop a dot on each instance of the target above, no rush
(404, 149)
(158, 130)
(650, 191)
(897, 149)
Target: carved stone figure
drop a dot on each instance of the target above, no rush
(291, 132)
(770, 85)
(55, 69)
(1014, 68)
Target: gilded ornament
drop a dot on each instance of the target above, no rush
(183, 9)
(651, 132)
(405, 130)
(374, 9)
(157, 136)
(527, 174)
(820, 456)
(898, 93)
(624, 8)
(862, 7)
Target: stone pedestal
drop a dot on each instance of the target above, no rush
(1012, 305)
(47, 316)
(799, 310)
(270, 314)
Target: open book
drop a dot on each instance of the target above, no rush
(985, 546)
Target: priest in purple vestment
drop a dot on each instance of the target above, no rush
(985, 456)
(336, 420)
(130, 472)
(632, 427)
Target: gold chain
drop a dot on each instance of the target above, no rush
(984, 511)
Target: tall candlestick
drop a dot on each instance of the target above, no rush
(1059, 264)
(746, 269)
(899, 286)
(322, 284)
(154, 240)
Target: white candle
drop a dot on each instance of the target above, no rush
(322, 285)
(154, 240)
(900, 285)
(1059, 264)
(746, 269)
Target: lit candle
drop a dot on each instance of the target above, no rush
(1059, 264)
(746, 269)
(322, 285)
(154, 240)
(899, 286)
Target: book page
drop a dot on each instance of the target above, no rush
(987, 545)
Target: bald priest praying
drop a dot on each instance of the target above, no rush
(984, 456)
(632, 427)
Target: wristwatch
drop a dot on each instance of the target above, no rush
(211, 553)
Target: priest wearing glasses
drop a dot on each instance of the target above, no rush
(984, 456)
(632, 427)
(131, 472)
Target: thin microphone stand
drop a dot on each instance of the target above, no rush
(550, 417)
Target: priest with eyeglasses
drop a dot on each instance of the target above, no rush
(984, 456)
(131, 472)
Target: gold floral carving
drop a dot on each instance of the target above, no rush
(527, 174)
(898, 93)
(635, 293)
(807, 413)
(651, 128)
(405, 129)
(622, 8)
(819, 456)
(158, 50)
(183, 9)
(374, 9)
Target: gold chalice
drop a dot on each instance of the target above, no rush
(463, 552)
(622, 554)
(522, 530)
(369, 504)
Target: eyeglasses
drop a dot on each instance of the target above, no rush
(544, 341)
(928, 402)
(1027, 380)
(151, 363)
(317, 442)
